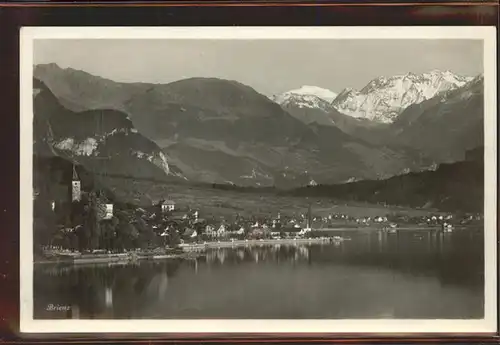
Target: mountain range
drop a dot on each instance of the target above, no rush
(104, 140)
(439, 114)
(383, 99)
(222, 131)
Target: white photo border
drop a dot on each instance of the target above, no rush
(487, 325)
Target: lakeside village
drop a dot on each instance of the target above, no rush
(92, 226)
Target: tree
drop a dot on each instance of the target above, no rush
(108, 233)
(90, 222)
(44, 222)
(82, 237)
(126, 232)
(174, 239)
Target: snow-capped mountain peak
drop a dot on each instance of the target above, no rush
(384, 98)
(320, 92)
(307, 97)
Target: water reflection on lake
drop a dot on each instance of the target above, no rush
(370, 275)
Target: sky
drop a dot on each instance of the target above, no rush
(269, 66)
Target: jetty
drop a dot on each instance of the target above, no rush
(77, 258)
(243, 243)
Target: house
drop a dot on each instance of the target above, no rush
(292, 230)
(104, 210)
(168, 206)
(275, 233)
(234, 230)
(304, 231)
(222, 230)
(210, 230)
(256, 233)
(189, 232)
(109, 211)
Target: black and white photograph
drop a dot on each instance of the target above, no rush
(258, 179)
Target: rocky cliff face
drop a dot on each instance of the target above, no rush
(104, 141)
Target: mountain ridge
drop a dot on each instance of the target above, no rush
(384, 98)
(103, 140)
(448, 187)
(219, 131)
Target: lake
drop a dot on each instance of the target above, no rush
(370, 275)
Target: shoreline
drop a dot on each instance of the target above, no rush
(292, 241)
(122, 258)
(190, 251)
(240, 243)
(193, 250)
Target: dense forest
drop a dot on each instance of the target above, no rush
(451, 187)
(455, 186)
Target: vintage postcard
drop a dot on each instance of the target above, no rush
(258, 180)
